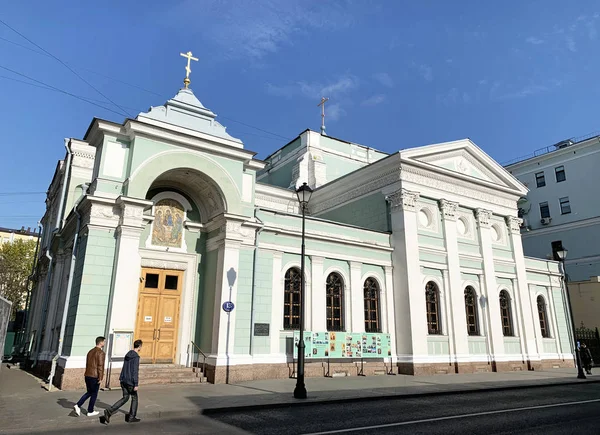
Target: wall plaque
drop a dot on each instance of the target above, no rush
(261, 329)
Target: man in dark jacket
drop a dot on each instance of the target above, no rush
(94, 372)
(129, 384)
(586, 358)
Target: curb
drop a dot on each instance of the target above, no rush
(396, 396)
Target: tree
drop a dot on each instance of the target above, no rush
(16, 260)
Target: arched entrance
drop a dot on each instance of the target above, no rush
(172, 249)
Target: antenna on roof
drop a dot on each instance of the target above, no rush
(322, 104)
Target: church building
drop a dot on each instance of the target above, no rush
(165, 228)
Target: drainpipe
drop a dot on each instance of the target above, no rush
(69, 287)
(258, 231)
(59, 219)
(29, 286)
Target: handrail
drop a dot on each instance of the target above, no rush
(203, 356)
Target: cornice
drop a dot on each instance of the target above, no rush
(456, 185)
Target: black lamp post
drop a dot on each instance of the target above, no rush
(562, 255)
(304, 193)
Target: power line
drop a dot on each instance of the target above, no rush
(21, 193)
(60, 90)
(66, 66)
(141, 89)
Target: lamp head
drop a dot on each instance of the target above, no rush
(562, 254)
(304, 193)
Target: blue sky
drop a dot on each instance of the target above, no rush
(513, 76)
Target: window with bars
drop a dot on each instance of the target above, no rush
(335, 302)
(371, 297)
(506, 314)
(471, 311)
(541, 306)
(432, 299)
(291, 299)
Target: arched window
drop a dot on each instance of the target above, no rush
(471, 311)
(432, 298)
(541, 305)
(506, 314)
(335, 305)
(371, 294)
(291, 299)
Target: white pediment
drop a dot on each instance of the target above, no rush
(467, 159)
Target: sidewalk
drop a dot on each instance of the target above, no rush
(26, 406)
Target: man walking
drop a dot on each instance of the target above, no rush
(129, 384)
(586, 358)
(94, 372)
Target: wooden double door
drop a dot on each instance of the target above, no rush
(157, 320)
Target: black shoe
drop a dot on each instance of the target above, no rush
(127, 418)
(134, 420)
(106, 416)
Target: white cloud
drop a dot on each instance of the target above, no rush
(384, 78)
(571, 43)
(426, 72)
(256, 28)
(315, 90)
(535, 41)
(498, 92)
(334, 112)
(374, 100)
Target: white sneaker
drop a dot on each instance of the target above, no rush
(77, 410)
(92, 414)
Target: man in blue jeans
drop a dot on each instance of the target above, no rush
(94, 372)
(129, 385)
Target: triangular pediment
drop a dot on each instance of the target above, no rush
(467, 159)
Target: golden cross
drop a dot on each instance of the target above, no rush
(188, 70)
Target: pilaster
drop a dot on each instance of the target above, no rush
(521, 288)
(316, 297)
(357, 318)
(225, 290)
(276, 302)
(127, 264)
(457, 330)
(409, 311)
(494, 326)
(389, 324)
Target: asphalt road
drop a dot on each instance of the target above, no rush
(569, 409)
(549, 410)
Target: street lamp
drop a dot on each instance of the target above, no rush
(304, 193)
(562, 255)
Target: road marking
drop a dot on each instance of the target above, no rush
(453, 417)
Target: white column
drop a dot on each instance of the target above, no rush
(226, 290)
(552, 318)
(389, 325)
(535, 320)
(347, 305)
(457, 330)
(496, 336)
(357, 297)
(318, 316)
(522, 290)
(127, 266)
(410, 311)
(276, 303)
(484, 322)
(446, 318)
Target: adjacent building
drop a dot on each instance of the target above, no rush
(9, 235)
(155, 224)
(562, 210)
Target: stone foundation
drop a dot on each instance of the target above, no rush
(73, 379)
(242, 373)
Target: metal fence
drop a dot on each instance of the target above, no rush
(591, 338)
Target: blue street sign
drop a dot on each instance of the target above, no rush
(228, 306)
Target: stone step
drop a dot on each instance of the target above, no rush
(168, 380)
(167, 374)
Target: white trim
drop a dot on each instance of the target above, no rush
(346, 301)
